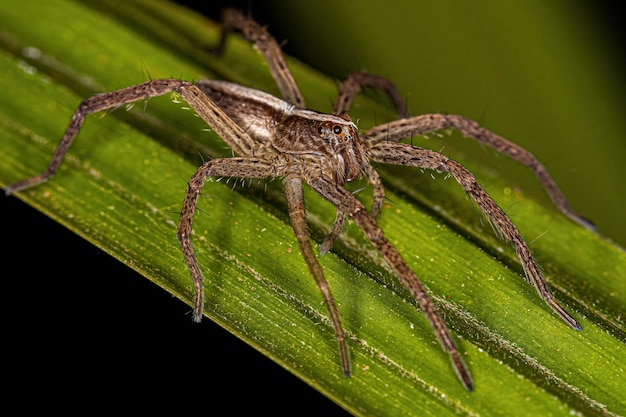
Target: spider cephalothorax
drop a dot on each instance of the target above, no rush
(315, 141)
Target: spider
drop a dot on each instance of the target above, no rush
(275, 137)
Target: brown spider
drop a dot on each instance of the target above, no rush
(279, 138)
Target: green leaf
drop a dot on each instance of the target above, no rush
(124, 179)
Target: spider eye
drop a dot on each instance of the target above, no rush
(337, 129)
(320, 130)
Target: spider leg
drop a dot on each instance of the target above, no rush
(420, 125)
(240, 142)
(379, 195)
(404, 154)
(335, 231)
(348, 204)
(352, 85)
(226, 167)
(295, 204)
(266, 44)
